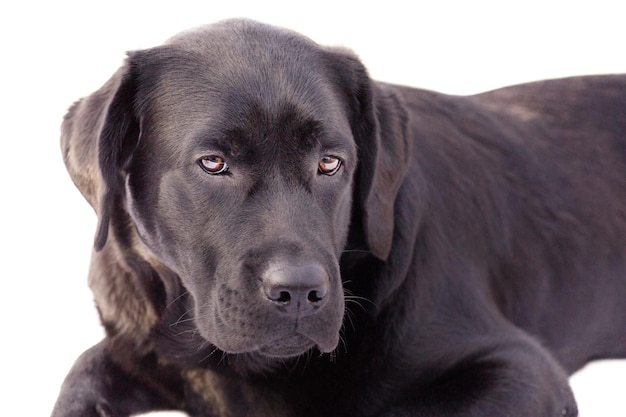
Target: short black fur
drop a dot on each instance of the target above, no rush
(468, 255)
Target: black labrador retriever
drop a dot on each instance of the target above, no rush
(279, 235)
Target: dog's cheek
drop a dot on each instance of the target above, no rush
(341, 220)
(163, 222)
(185, 217)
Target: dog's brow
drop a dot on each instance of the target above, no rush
(211, 141)
(336, 141)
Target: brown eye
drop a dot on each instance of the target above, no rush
(329, 165)
(213, 164)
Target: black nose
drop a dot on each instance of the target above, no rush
(297, 290)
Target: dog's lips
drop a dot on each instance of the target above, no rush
(328, 344)
(287, 347)
(296, 345)
(284, 353)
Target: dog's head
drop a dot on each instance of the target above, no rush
(233, 152)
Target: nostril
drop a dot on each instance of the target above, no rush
(284, 297)
(278, 295)
(316, 296)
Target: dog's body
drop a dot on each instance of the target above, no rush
(252, 186)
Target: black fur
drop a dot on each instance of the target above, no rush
(467, 256)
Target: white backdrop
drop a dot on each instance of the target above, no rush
(55, 52)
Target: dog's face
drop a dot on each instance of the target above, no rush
(241, 184)
(232, 154)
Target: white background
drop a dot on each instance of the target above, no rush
(55, 52)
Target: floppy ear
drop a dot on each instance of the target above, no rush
(98, 136)
(117, 140)
(379, 125)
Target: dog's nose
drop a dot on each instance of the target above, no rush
(296, 290)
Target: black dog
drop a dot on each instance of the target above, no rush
(279, 235)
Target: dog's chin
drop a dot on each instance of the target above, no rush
(270, 357)
(287, 348)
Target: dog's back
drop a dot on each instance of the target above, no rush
(547, 162)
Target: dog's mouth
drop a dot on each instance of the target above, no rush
(287, 347)
(274, 344)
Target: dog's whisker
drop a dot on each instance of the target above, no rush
(357, 299)
(223, 358)
(171, 303)
(188, 331)
(181, 319)
(211, 353)
(356, 251)
(349, 315)
(202, 345)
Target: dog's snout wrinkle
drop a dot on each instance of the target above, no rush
(296, 290)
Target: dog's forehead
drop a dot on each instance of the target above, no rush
(241, 59)
(239, 76)
(240, 33)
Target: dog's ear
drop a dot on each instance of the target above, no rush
(379, 124)
(98, 135)
(117, 140)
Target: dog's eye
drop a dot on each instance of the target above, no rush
(213, 164)
(329, 165)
